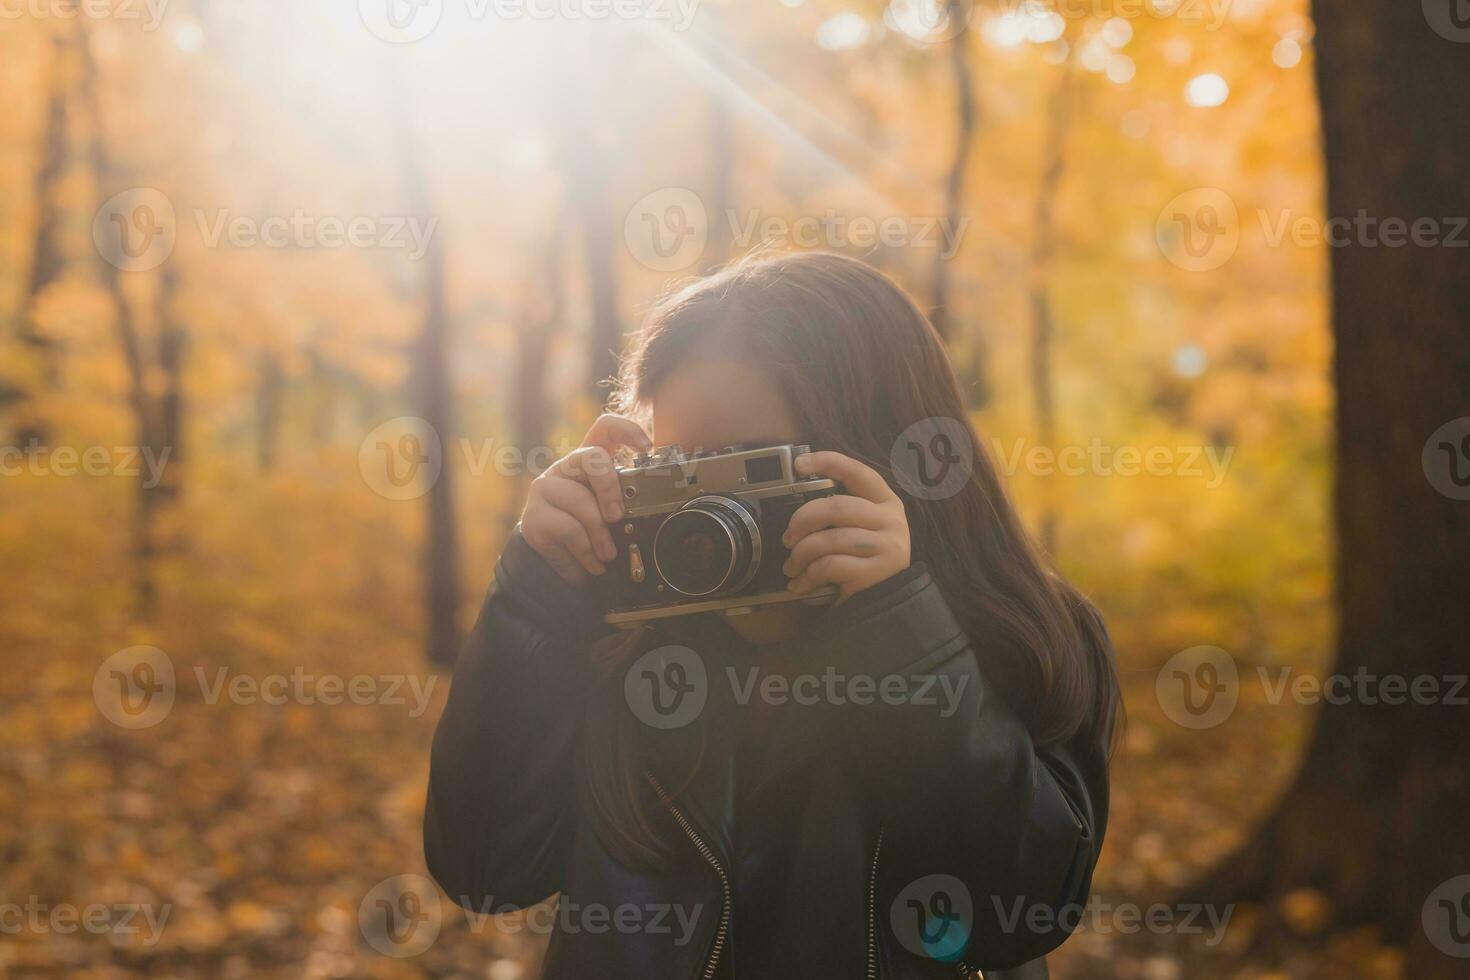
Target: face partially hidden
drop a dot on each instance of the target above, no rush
(710, 402)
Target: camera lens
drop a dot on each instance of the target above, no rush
(712, 545)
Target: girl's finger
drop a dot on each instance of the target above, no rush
(855, 541)
(611, 432)
(828, 570)
(838, 511)
(579, 502)
(593, 467)
(552, 532)
(856, 478)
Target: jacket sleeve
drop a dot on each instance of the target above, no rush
(960, 786)
(500, 813)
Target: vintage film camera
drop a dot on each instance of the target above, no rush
(702, 532)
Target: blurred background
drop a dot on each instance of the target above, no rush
(295, 299)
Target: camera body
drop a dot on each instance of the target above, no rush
(702, 533)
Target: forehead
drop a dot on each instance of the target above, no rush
(712, 401)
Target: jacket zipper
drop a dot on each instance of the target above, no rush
(873, 910)
(962, 967)
(714, 862)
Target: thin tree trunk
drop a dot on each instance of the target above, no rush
(1376, 816)
(542, 311)
(599, 244)
(149, 416)
(47, 260)
(1043, 250)
(954, 185)
(432, 394)
(268, 410)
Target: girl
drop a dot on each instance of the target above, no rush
(909, 782)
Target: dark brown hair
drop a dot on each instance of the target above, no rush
(858, 363)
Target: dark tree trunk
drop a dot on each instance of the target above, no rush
(600, 241)
(157, 417)
(47, 261)
(172, 346)
(432, 396)
(954, 185)
(441, 557)
(268, 409)
(1043, 250)
(541, 312)
(1376, 817)
(589, 166)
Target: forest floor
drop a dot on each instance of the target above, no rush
(264, 831)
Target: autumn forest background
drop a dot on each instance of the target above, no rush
(294, 297)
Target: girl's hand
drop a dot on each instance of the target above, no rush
(573, 501)
(851, 541)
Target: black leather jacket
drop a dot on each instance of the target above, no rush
(909, 841)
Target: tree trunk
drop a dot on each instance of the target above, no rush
(542, 309)
(599, 245)
(47, 262)
(268, 406)
(1376, 817)
(954, 185)
(1043, 250)
(432, 395)
(155, 419)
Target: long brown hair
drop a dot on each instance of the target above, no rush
(858, 363)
